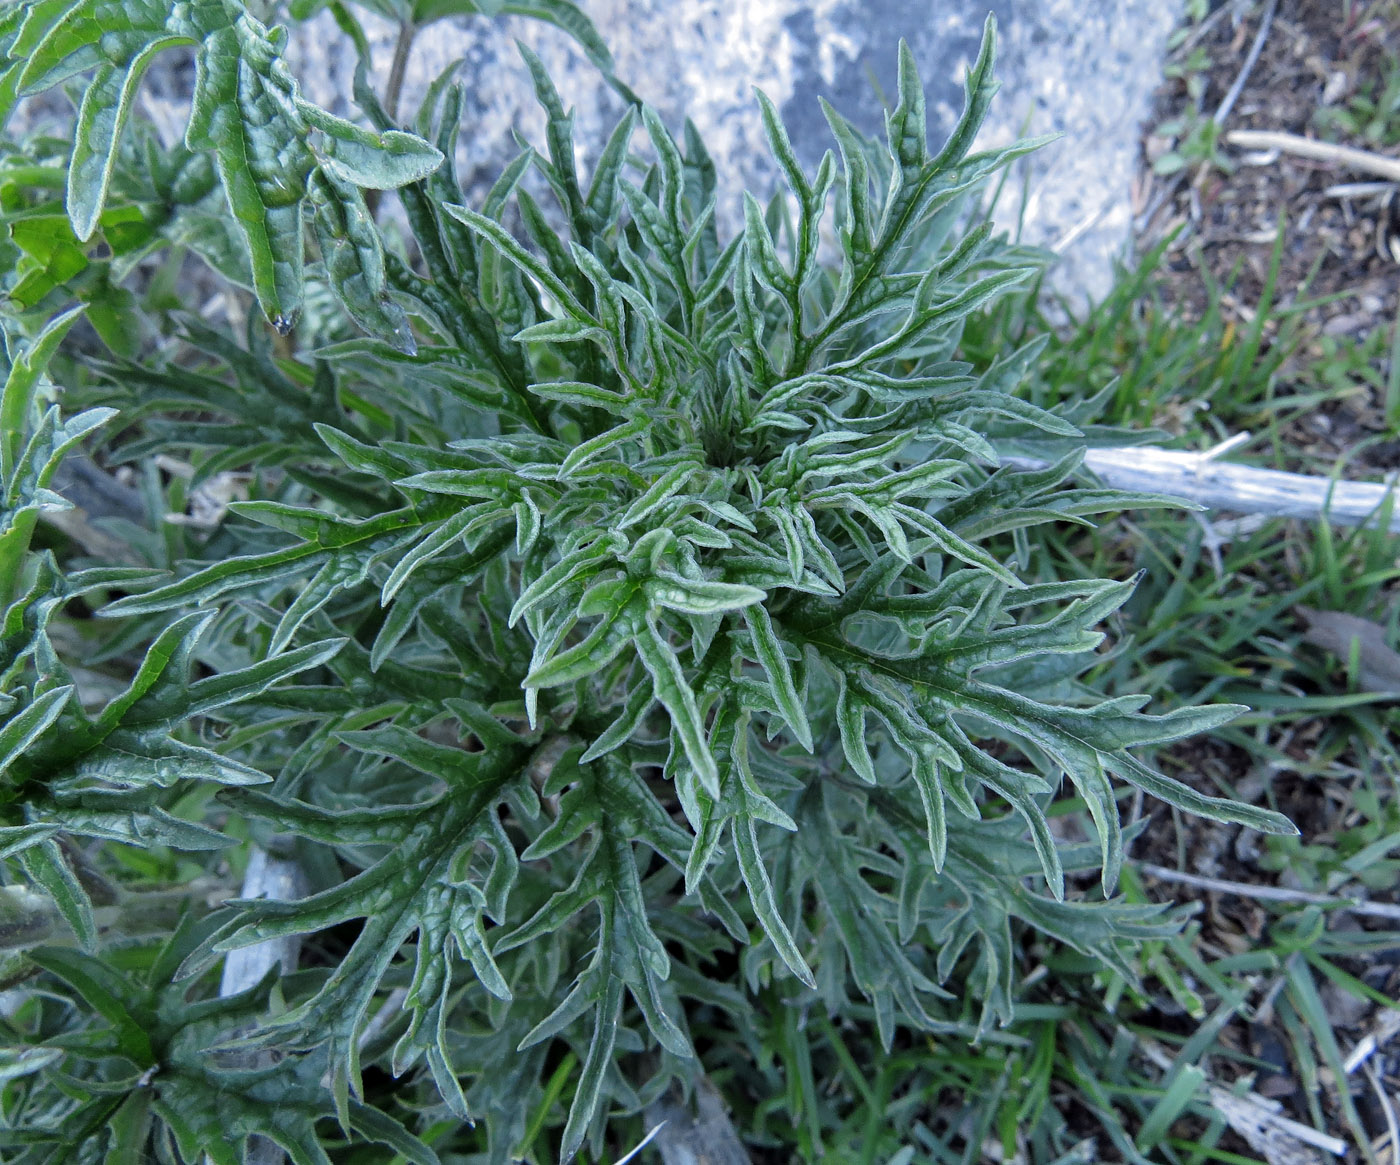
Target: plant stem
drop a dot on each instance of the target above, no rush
(1249, 62)
(398, 68)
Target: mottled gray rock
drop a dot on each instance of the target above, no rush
(1085, 71)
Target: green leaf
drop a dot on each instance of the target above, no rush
(243, 110)
(17, 402)
(438, 542)
(358, 157)
(528, 264)
(657, 494)
(101, 118)
(570, 567)
(354, 258)
(241, 573)
(571, 18)
(610, 635)
(670, 687)
(1176, 793)
(21, 730)
(105, 992)
(46, 867)
(621, 730)
(773, 660)
(859, 919)
(610, 802)
(760, 889)
(595, 447)
(412, 888)
(699, 596)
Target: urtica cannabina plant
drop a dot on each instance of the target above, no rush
(629, 630)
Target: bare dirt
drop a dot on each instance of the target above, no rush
(1323, 66)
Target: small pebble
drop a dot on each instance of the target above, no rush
(1344, 325)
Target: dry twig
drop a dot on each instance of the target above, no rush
(1392, 1133)
(1260, 1122)
(267, 876)
(1291, 143)
(1249, 62)
(1387, 1026)
(1272, 893)
(1198, 477)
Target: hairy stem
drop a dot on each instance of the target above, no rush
(398, 68)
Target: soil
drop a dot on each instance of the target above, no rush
(1339, 259)
(1315, 61)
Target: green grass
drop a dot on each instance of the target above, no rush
(1219, 618)
(1370, 114)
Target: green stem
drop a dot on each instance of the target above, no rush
(392, 90)
(407, 31)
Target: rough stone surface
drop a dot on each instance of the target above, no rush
(1084, 71)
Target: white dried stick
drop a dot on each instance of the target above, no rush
(266, 877)
(1289, 143)
(1198, 477)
